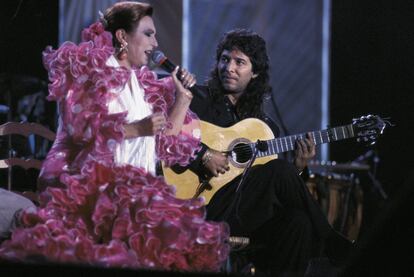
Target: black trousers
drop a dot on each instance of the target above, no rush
(275, 210)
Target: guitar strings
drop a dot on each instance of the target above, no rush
(243, 151)
(248, 147)
(289, 142)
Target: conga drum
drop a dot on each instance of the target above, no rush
(341, 199)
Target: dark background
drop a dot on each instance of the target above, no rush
(372, 72)
(27, 27)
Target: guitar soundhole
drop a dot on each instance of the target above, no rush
(242, 153)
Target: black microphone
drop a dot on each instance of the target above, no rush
(162, 61)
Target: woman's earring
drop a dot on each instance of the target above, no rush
(123, 51)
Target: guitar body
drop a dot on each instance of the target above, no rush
(222, 139)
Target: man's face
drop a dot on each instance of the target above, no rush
(235, 71)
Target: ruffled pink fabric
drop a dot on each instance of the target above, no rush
(171, 149)
(94, 211)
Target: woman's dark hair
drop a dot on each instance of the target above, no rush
(252, 45)
(125, 15)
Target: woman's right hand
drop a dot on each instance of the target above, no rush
(148, 126)
(183, 85)
(216, 162)
(183, 96)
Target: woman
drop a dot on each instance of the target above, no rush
(103, 203)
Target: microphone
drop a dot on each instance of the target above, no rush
(162, 61)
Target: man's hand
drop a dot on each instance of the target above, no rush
(305, 151)
(216, 162)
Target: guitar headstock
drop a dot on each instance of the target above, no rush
(367, 128)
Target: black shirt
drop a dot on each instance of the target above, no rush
(221, 112)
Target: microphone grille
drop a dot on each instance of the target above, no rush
(158, 57)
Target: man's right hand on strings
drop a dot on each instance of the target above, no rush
(216, 162)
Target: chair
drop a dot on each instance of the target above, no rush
(237, 262)
(31, 159)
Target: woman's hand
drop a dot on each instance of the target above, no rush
(216, 162)
(305, 151)
(149, 126)
(183, 98)
(187, 80)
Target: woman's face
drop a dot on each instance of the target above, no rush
(141, 42)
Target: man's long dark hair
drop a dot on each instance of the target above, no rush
(252, 45)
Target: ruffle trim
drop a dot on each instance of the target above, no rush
(120, 217)
(160, 94)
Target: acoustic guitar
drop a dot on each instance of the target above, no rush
(240, 141)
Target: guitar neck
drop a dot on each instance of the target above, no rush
(285, 144)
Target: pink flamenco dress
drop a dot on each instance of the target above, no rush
(99, 207)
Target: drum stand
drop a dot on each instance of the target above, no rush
(354, 182)
(350, 190)
(377, 185)
(373, 155)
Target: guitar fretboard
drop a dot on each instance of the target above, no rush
(284, 144)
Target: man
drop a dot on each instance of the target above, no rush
(274, 209)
